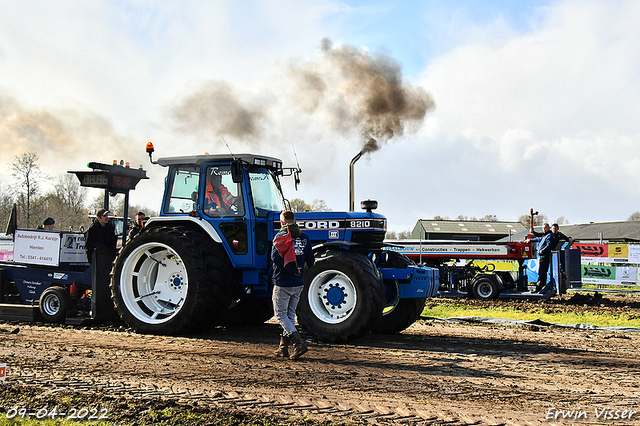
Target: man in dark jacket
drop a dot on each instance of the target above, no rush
(560, 237)
(100, 234)
(137, 226)
(547, 243)
(291, 250)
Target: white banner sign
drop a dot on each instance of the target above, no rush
(634, 253)
(430, 249)
(72, 248)
(36, 247)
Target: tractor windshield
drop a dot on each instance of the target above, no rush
(183, 190)
(267, 196)
(222, 197)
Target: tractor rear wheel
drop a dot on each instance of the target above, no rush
(170, 281)
(398, 314)
(343, 297)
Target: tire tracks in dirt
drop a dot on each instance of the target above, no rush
(431, 374)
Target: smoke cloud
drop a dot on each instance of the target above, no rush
(216, 108)
(344, 88)
(357, 90)
(60, 136)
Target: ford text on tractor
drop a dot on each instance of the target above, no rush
(205, 261)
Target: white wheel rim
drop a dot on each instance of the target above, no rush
(50, 304)
(154, 283)
(485, 289)
(332, 296)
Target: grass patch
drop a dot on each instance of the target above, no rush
(552, 314)
(123, 411)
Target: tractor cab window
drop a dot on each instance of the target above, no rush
(182, 196)
(222, 197)
(267, 196)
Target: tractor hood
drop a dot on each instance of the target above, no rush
(364, 229)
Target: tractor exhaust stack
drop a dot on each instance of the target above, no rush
(351, 181)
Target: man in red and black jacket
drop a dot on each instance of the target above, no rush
(291, 251)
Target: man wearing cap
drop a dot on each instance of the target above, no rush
(47, 224)
(100, 234)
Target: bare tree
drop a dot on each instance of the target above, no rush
(538, 219)
(135, 208)
(400, 235)
(68, 189)
(319, 206)
(6, 204)
(65, 203)
(561, 221)
(299, 205)
(27, 171)
(404, 235)
(635, 216)
(489, 218)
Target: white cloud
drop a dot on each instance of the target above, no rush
(552, 113)
(542, 114)
(126, 64)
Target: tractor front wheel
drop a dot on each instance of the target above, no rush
(343, 297)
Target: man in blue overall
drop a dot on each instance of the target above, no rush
(547, 243)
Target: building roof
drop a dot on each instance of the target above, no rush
(590, 232)
(469, 227)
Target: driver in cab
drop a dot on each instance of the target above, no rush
(218, 200)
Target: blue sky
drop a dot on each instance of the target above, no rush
(536, 103)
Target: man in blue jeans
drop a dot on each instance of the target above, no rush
(547, 243)
(291, 250)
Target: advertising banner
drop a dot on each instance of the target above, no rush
(593, 252)
(634, 253)
(596, 274)
(618, 253)
(36, 247)
(627, 275)
(72, 248)
(610, 275)
(607, 253)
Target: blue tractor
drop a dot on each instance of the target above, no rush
(205, 261)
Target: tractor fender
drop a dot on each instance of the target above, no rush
(185, 220)
(333, 245)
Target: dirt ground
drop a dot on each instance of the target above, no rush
(434, 373)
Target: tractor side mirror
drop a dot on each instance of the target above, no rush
(236, 171)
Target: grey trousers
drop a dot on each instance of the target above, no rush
(285, 302)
